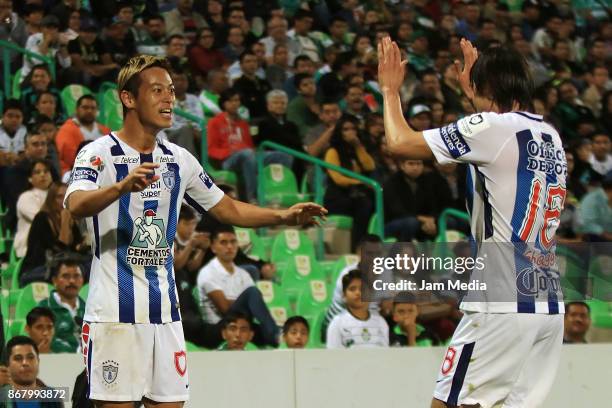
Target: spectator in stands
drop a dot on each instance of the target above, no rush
(407, 332)
(38, 82)
(332, 86)
(302, 42)
(577, 321)
(40, 326)
(543, 38)
(176, 48)
(12, 132)
(410, 203)
(234, 44)
(53, 229)
(346, 195)
(224, 287)
(47, 127)
(251, 88)
(216, 82)
(419, 117)
(63, 9)
(595, 213)
(184, 132)
(236, 17)
(418, 54)
(601, 158)
(355, 103)
(599, 83)
(72, 29)
(12, 29)
(303, 110)
(237, 331)
(118, 41)
(46, 43)
(296, 332)
(33, 15)
(204, 55)
(31, 200)
(448, 184)
(214, 14)
(83, 127)
(235, 70)
(46, 105)
(317, 140)
(184, 20)
(277, 35)
(301, 65)
(338, 34)
(23, 362)
(92, 63)
(65, 303)
(189, 245)
(151, 41)
(356, 327)
(277, 70)
(570, 111)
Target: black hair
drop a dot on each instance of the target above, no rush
(233, 317)
(222, 228)
(17, 341)
(41, 120)
(45, 93)
(44, 67)
(187, 213)
(173, 36)
(337, 18)
(577, 302)
(344, 58)
(85, 97)
(346, 152)
(349, 277)
(404, 297)
(502, 74)
(295, 320)
(299, 58)
(152, 17)
(34, 162)
(246, 53)
(301, 13)
(298, 78)
(428, 71)
(38, 312)
(370, 238)
(12, 104)
(64, 259)
(226, 95)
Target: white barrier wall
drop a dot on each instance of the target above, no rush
(391, 378)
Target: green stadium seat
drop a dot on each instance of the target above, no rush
(250, 243)
(16, 86)
(339, 221)
(315, 321)
(224, 177)
(84, 291)
(339, 265)
(29, 297)
(192, 347)
(276, 300)
(297, 273)
(112, 114)
(280, 186)
(17, 328)
(70, 94)
(314, 299)
(288, 243)
(601, 313)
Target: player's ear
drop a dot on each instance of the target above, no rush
(127, 99)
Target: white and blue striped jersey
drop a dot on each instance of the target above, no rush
(515, 194)
(132, 272)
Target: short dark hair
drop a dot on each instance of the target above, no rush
(44, 67)
(34, 162)
(502, 74)
(17, 341)
(300, 58)
(187, 213)
(84, 98)
(233, 317)
(226, 95)
(222, 228)
(293, 320)
(404, 297)
(349, 277)
(246, 53)
(64, 259)
(45, 93)
(38, 312)
(12, 104)
(152, 17)
(298, 78)
(577, 303)
(173, 36)
(41, 120)
(301, 13)
(344, 58)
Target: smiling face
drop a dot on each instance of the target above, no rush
(155, 99)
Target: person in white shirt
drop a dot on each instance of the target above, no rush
(224, 287)
(29, 203)
(601, 157)
(358, 326)
(12, 132)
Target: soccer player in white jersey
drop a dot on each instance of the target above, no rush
(130, 187)
(505, 350)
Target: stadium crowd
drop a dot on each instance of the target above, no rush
(302, 74)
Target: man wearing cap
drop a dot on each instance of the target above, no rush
(419, 117)
(46, 43)
(418, 54)
(91, 62)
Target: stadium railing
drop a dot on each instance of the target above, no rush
(319, 165)
(6, 46)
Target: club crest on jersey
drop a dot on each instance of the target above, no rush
(169, 179)
(148, 246)
(180, 362)
(110, 370)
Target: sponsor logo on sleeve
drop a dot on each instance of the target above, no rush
(206, 179)
(84, 173)
(454, 141)
(96, 163)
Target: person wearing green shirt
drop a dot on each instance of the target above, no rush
(407, 332)
(237, 332)
(595, 213)
(40, 327)
(65, 303)
(303, 110)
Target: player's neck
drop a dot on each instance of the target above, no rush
(139, 137)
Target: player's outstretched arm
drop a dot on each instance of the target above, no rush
(82, 203)
(402, 141)
(234, 212)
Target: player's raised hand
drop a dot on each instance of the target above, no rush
(303, 214)
(391, 67)
(140, 178)
(470, 55)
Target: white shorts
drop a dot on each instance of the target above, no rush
(505, 360)
(126, 362)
